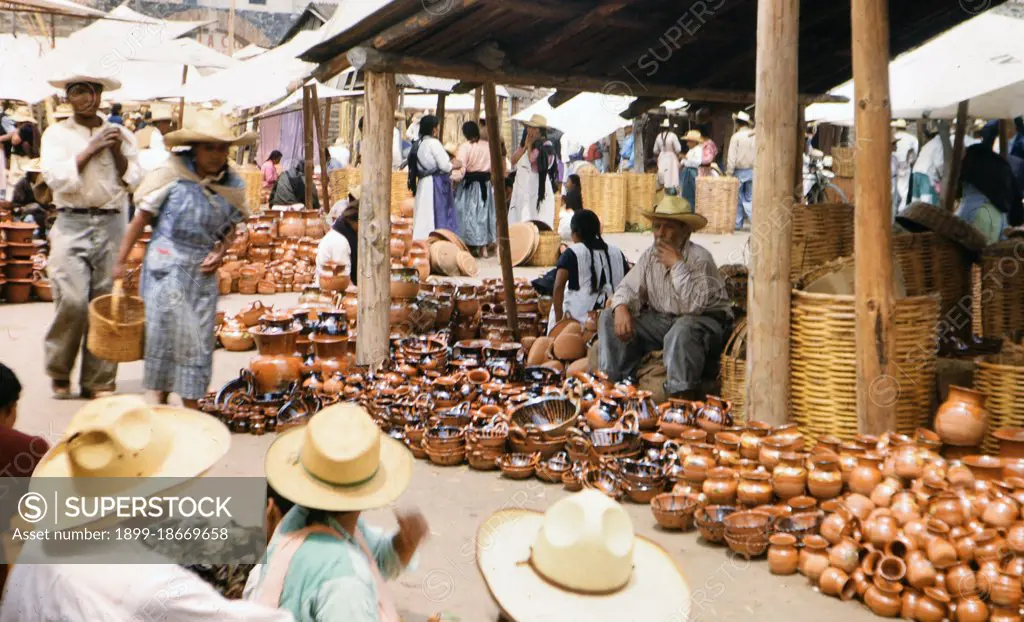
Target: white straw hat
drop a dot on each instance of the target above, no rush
(581, 558)
(65, 80)
(207, 127)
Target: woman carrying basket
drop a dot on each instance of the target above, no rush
(193, 203)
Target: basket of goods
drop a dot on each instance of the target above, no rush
(1001, 378)
(546, 253)
(821, 233)
(716, 199)
(117, 326)
(641, 189)
(733, 368)
(999, 290)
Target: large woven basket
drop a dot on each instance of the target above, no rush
(823, 361)
(117, 326)
(338, 185)
(716, 200)
(821, 233)
(1001, 378)
(842, 162)
(641, 189)
(253, 178)
(733, 370)
(399, 191)
(736, 276)
(999, 290)
(932, 263)
(605, 195)
(546, 253)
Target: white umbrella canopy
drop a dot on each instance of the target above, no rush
(20, 75)
(186, 52)
(586, 118)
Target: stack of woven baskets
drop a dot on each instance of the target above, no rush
(253, 179)
(1001, 378)
(999, 290)
(533, 243)
(716, 200)
(605, 195)
(641, 190)
(821, 233)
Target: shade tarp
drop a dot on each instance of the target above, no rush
(294, 101)
(981, 60)
(585, 119)
(59, 7)
(20, 73)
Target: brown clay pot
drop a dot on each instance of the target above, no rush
(405, 283)
(941, 552)
(909, 603)
(754, 488)
(783, 557)
(901, 546)
(824, 479)
(962, 418)
(845, 555)
(883, 598)
(987, 576)
(1000, 513)
(751, 437)
(920, 572)
(891, 568)
(720, 486)
(971, 609)
(276, 367)
(17, 291)
(789, 477)
(866, 475)
(835, 582)
(859, 505)
(932, 606)
(1011, 442)
(904, 507)
(813, 558)
(1004, 614)
(861, 582)
(837, 526)
(881, 530)
(961, 581)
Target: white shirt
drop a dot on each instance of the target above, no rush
(333, 248)
(98, 184)
(121, 592)
(396, 149)
(431, 156)
(742, 150)
(932, 159)
(156, 154)
(907, 147)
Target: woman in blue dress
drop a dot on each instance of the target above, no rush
(192, 202)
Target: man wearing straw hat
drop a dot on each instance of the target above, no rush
(742, 150)
(672, 300)
(170, 447)
(91, 166)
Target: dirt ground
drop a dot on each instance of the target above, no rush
(454, 500)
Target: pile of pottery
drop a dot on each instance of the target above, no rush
(482, 314)
(272, 253)
(17, 267)
(565, 347)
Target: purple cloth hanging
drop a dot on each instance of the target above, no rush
(444, 204)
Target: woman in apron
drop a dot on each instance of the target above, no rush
(536, 167)
(699, 158)
(667, 148)
(324, 562)
(474, 196)
(193, 203)
(430, 182)
(587, 273)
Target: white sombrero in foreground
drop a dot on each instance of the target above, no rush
(580, 560)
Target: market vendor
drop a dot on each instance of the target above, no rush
(31, 198)
(290, 188)
(91, 166)
(340, 245)
(588, 272)
(673, 299)
(193, 203)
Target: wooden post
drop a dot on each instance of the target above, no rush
(613, 152)
(956, 160)
(352, 126)
(375, 220)
(877, 389)
(500, 205)
(231, 28)
(476, 105)
(321, 135)
(1004, 137)
(440, 115)
(181, 104)
(307, 131)
(769, 296)
(328, 111)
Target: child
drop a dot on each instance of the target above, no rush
(572, 202)
(19, 452)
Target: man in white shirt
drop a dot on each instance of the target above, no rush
(742, 151)
(906, 148)
(91, 166)
(926, 181)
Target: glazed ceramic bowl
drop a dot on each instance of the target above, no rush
(518, 465)
(710, 520)
(985, 468)
(675, 511)
(1011, 442)
(747, 532)
(444, 438)
(603, 481)
(552, 469)
(801, 524)
(483, 459)
(551, 416)
(446, 457)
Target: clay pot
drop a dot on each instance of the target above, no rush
(790, 476)
(960, 581)
(901, 546)
(920, 572)
(891, 568)
(883, 598)
(754, 488)
(904, 507)
(751, 437)
(291, 225)
(971, 609)
(881, 530)
(1000, 513)
(783, 557)
(962, 418)
(941, 552)
(860, 582)
(859, 505)
(908, 462)
(987, 576)
(837, 525)
(985, 468)
(835, 582)
(698, 463)
(932, 606)
(276, 367)
(845, 555)
(1004, 614)
(17, 291)
(771, 448)
(720, 486)
(1015, 538)
(802, 504)
(569, 347)
(405, 283)
(866, 475)
(715, 415)
(824, 479)
(813, 558)
(1011, 442)
(883, 493)
(909, 603)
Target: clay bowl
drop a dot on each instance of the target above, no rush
(445, 457)
(490, 437)
(603, 481)
(546, 448)
(1011, 442)
(18, 232)
(617, 443)
(518, 466)
(483, 460)
(710, 520)
(747, 532)
(539, 374)
(641, 472)
(444, 438)
(240, 341)
(17, 291)
(17, 250)
(984, 468)
(43, 291)
(551, 416)
(642, 493)
(552, 469)
(571, 481)
(801, 524)
(675, 511)
(15, 270)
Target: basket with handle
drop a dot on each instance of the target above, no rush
(117, 326)
(733, 370)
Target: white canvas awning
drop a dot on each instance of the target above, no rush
(585, 119)
(58, 7)
(294, 101)
(20, 73)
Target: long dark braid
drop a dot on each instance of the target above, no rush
(587, 226)
(545, 165)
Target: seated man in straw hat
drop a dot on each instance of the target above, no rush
(31, 198)
(171, 445)
(673, 300)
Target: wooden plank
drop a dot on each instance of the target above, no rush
(877, 389)
(476, 105)
(500, 205)
(375, 220)
(569, 12)
(571, 29)
(307, 131)
(370, 59)
(1004, 137)
(424, 20)
(181, 103)
(769, 293)
(321, 134)
(956, 164)
(798, 168)
(441, 97)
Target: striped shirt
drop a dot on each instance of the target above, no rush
(692, 287)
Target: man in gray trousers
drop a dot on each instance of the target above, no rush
(672, 300)
(91, 166)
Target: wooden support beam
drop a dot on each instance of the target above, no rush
(375, 220)
(798, 169)
(423, 20)
(321, 135)
(613, 152)
(1004, 137)
(476, 105)
(307, 133)
(600, 14)
(352, 127)
(956, 163)
(181, 103)
(877, 389)
(567, 12)
(369, 59)
(441, 97)
(500, 205)
(561, 96)
(769, 294)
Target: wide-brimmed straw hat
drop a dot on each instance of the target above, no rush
(32, 166)
(675, 207)
(63, 111)
(147, 447)
(743, 117)
(536, 121)
(899, 124)
(693, 135)
(23, 114)
(339, 462)
(66, 80)
(582, 557)
(208, 127)
(918, 217)
(355, 191)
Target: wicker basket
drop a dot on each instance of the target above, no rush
(931, 263)
(1001, 379)
(733, 370)
(716, 199)
(546, 253)
(117, 326)
(605, 195)
(823, 355)
(842, 162)
(736, 277)
(999, 290)
(338, 185)
(641, 189)
(253, 178)
(821, 233)
(399, 191)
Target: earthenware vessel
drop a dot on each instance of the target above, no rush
(866, 475)
(751, 437)
(861, 582)
(783, 558)
(675, 511)
(747, 532)
(642, 403)
(961, 420)
(881, 530)
(920, 572)
(961, 581)
(715, 414)
(987, 576)
(941, 552)
(859, 505)
(1004, 614)
(904, 507)
(1000, 513)
(837, 525)
(697, 464)
(754, 488)
(824, 479)
(883, 598)
(789, 477)
(845, 555)
(277, 366)
(720, 486)
(932, 606)
(837, 583)
(813, 558)
(883, 493)
(727, 448)
(971, 609)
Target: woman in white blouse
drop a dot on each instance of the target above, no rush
(430, 182)
(533, 192)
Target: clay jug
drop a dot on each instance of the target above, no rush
(720, 486)
(866, 475)
(962, 418)
(883, 598)
(790, 476)
(276, 367)
(941, 552)
(845, 555)
(920, 572)
(783, 557)
(824, 479)
(932, 606)
(715, 415)
(813, 558)
(750, 439)
(755, 488)
(971, 609)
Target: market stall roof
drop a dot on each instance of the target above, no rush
(294, 101)
(586, 118)
(576, 44)
(19, 72)
(981, 60)
(55, 7)
(186, 52)
(249, 51)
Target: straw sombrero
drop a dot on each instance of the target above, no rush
(693, 135)
(339, 462)
(580, 557)
(536, 121)
(449, 236)
(444, 257)
(467, 264)
(207, 127)
(675, 207)
(899, 124)
(23, 114)
(743, 117)
(66, 80)
(63, 111)
(918, 217)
